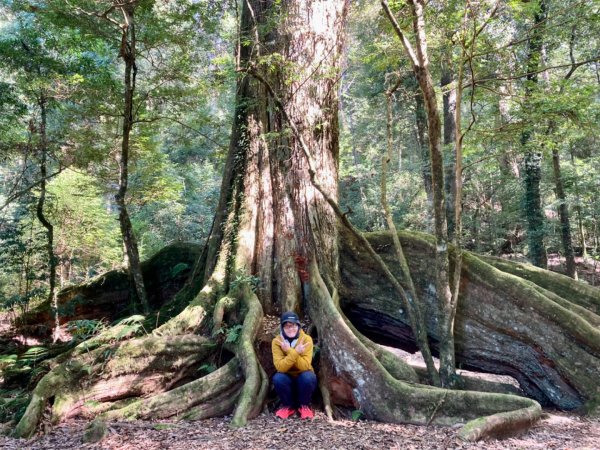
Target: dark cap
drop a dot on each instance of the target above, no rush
(290, 317)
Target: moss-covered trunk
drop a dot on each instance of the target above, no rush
(532, 201)
(505, 324)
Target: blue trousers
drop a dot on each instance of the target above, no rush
(295, 391)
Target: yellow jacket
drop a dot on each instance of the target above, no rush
(292, 362)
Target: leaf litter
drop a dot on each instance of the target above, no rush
(557, 430)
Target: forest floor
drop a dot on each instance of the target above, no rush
(555, 431)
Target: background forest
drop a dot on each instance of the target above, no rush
(186, 134)
(530, 121)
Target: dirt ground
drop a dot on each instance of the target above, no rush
(554, 431)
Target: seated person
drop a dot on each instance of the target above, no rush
(295, 380)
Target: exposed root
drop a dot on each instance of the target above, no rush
(221, 405)
(505, 324)
(183, 398)
(380, 396)
(262, 393)
(223, 306)
(42, 393)
(472, 383)
(194, 316)
(121, 370)
(326, 399)
(529, 296)
(392, 364)
(577, 293)
(501, 425)
(253, 386)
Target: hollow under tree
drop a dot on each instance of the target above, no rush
(277, 222)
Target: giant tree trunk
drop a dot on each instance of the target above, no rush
(274, 245)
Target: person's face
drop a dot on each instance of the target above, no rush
(290, 329)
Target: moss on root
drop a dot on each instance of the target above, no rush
(501, 425)
(382, 397)
(155, 370)
(254, 390)
(505, 324)
(577, 292)
(112, 371)
(183, 398)
(107, 296)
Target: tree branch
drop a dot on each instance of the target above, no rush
(24, 191)
(571, 65)
(189, 127)
(405, 42)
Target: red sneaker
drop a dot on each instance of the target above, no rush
(306, 412)
(285, 412)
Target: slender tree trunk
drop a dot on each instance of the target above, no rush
(508, 162)
(423, 143)
(533, 168)
(420, 61)
(411, 300)
(346, 113)
(128, 53)
(563, 213)
(444, 295)
(43, 103)
(580, 227)
(449, 109)
(509, 167)
(563, 209)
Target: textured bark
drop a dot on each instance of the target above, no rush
(295, 223)
(519, 321)
(104, 371)
(363, 382)
(283, 156)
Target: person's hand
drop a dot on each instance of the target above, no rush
(285, 345)
(300, 347)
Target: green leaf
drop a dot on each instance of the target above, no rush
(356, 415)
(233, 334)
(178, 269)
